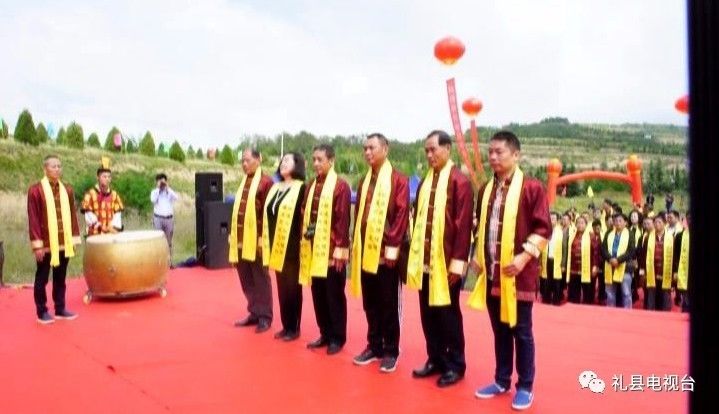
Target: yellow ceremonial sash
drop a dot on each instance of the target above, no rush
(668, 253)
(53, 230)
(274, 257)
(616, 275)
(438, 284)
(507, 284)
(314, 255)
(683, 269)
(557, 236)
(366, 253)
(249, 228)
(586, 244)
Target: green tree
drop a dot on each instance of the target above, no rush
(227, 156)
(176, 153)
(41, 134)
(161, 151)
(25, 129)
(199, 154)
(131, 145)
(190, 152)
(74, 137)
(60, 140)
(110, 140)
(3, 130)
(93, 140)
(147, 145)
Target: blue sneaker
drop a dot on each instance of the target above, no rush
(490, 391)
(522, 400)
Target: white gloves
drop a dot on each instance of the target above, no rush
(90, 219)
(117, 220)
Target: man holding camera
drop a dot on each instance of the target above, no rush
(162, 198)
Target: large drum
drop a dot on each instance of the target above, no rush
(127, 264)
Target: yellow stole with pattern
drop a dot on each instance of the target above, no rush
(52, 227)
(508, 284)
(683, 269)
(668, 253)
(274, 256)
(314, 255)
(249, 228)
(438, 283)
(366, 253)
(617, 274)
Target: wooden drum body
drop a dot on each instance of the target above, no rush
(126, 264)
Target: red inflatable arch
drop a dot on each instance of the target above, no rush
(633, 178)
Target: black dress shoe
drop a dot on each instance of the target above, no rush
(291, 336)
(427, 370)
(280, 334)
(333, 348)
(449, 378)
(318, 343)
(262, 326)
(248, 321)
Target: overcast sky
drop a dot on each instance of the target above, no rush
(208, 72)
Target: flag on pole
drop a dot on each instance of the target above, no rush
(590, 193)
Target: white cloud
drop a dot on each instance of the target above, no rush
(208, 72)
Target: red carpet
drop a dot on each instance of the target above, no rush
(181, 354)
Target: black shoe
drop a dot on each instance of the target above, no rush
(280, 334)
(318, 343)
(366, 357)
(388, 364)
(427, 370)
(262, 326)
(248, 321)
(291, 336)
(66, 315)
(45, 318)
(449, 378)
(333, 348)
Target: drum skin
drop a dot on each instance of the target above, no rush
(126, 264)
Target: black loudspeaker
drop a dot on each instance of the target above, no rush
(208, 187)
(217, 220)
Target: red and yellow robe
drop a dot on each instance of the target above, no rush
(104, 205)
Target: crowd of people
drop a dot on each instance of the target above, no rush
(604, 256)
(301, 234)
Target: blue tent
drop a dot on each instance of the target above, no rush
(413, 187)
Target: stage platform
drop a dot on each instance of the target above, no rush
(181, 354)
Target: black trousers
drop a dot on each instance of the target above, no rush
(443, 330)
(556, 286)
(544, 290)
(579, 292)
(330, 303)
(602, 295)
(257, 287)
(507, 339)
(289, 292)
(380, 300)
(42, 275)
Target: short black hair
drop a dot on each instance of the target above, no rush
(660, 215)
(443, 138)
(674, 212)
(160, 176)
(596, 223)
(620, 214)
(328, 149)
(254, 152)
(554, 213)
(298, 173)
(48, 158)
(380, 137)
(509, 138)
(103, 170)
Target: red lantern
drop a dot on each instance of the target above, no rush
(682, 104)
(449, 50)
(472, 107)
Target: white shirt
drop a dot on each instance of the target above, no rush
(162, 201)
